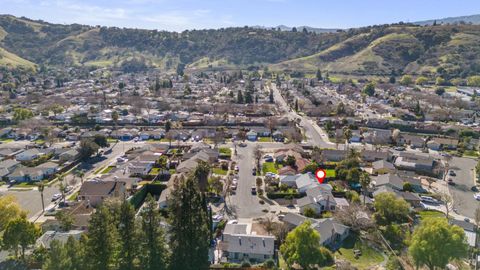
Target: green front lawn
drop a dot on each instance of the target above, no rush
(108, 169)
(26, 185)
(264, 139)
(154, 171)
(470, 153)
(219, 171)
(73, 197)
(6, 140)
(225, 152)
(330, 173)
(430, 214)
(369, 258)
(269, 167)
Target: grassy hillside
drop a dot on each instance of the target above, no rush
(397, 49)
(12, 60)
(448, 50)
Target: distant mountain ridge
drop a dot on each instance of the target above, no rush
(473, 19)
(300, 28)
(395, 49)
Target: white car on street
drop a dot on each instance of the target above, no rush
(476, 196)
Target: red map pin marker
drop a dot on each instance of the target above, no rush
(320, 174)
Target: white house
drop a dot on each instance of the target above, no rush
(239, 244)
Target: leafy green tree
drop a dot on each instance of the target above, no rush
(66, 220)
(390, 209)
(407, 187)
(406, 80)
(9, 210)
(440, 81)
(189, 233)
(421, 80)
(153, 251)
(435, 243)
(102, 240)
(309, 212)
(364, 182)
(369, 89)
(473, 81)
(440, 91)
(19, 234)
(87, 148)
(100, 140)
(20, 114)
(128, 240)
(302, 246)
(57, 258)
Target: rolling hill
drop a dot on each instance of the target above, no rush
(473, 19)
(449, 50)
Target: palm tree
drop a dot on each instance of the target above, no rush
(364, 182)
(41, 187)
(81, 174)
(62, 187)
(348, 135)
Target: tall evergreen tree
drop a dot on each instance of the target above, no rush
(75, 250)
(153, 251)
(102, 240)
(240, 97)
(189, 232)
(57, 258)
(128, 239)
(319, 75)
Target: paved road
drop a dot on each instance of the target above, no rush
(30, 200)
(244, 203)
(464, 179)
(314, 133)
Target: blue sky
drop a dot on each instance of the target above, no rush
(178, 15)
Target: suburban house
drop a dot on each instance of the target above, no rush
(49, 236)
(334, 155)
(26, 174)
(412, 198)
(318, 198)
(252, 135)
(377, 136)
(239, 244)
(30, 154)
(332, 233)
(414, 141)
(96, 191)
(382, 167)
(414, 162)
(48, 168)
(390, 180)
(442, 144)
(469, 229)
(9, 164)
(300, 181)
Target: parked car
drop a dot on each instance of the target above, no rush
(399, 148)
(242, 144)
(452, 173)
(476, 196)
(474, 189)
(430, 200)
(56, 196)
(254, 190)
(450, 182)
(254, 171)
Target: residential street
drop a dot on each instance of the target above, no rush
(463, 198)
(315, 135)
(244, 203)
